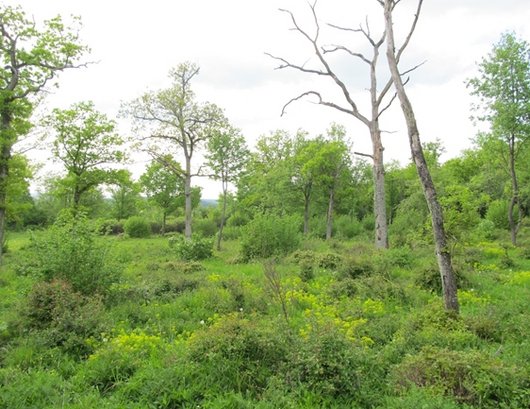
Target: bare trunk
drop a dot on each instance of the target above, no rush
(442, 251)
(329, 219)
(187, 199)
(164, 217)
(223, 216)
(514, 201)
(381, 224)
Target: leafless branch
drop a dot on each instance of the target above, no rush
(364, 154)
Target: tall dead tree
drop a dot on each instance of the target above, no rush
(443, 254)
(379, 102)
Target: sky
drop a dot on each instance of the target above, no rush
(135, 43)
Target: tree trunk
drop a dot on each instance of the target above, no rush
(442, 251)
(164, 217)
(187, 199)
(381, 224)
(222, 225)
(514, 225)
(5, 155)
(329, 219)
(307, 197)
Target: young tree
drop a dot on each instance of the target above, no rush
(125, 194)
(30, 58)
(86, 143)
(503, 87)
(226, 157)
(378, 99)
(163, 185)
(175, 122)
(442, 250)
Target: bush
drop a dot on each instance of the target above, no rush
(63, 317)
(205, 227)
(110, 227)
(498, 214)
(469, 376)
(137, 227)
(348, 227)
(192, 249)
(269, 235)
(68, 251)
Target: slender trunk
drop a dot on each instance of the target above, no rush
(5, 155)
(164, 217)
(442, 250)
(514, 201)
(381, 224)
(223, 216)
(329, 219)
(307, 197)
(187, 199)
(77, 199)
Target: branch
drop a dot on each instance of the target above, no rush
(364, 154)
(287, 64)
(320, 102)
(342, 48)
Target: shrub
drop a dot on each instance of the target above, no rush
(329, 261)
(137, 227)
(348, 227)
(428, 277)
(63, 317)
(469, 376)
(498, 214)
(110, 227)
(68, 251)
(205, 227)
(192, 249)
(270, 235)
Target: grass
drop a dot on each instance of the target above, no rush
(219, 337)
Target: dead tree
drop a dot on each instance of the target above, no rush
(378, 99)
(443, 254)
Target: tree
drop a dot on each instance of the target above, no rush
(176, 123)
(163, 185)
(378, 100)
(226, 157)
(124, 193)
(86, 143)
(503, 88)
(443, 254)
(31, 58)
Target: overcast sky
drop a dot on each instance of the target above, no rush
(136, 42)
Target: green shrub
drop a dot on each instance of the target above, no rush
(63, 317)
(137, 227)
(269, 235)
(205, 227)
(468, 376)
(498, 214)
(191, 249)
(110, 227)
(428, 277)
(486, 229)
(329, 261)
(348, 227)
(68, 251)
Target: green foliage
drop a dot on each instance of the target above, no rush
(137, 227)
(69, 251)
(197, 248)
(467, 376)
(498, 214)
(269, 235)
(63, 317)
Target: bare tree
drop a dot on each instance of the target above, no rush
(379, 99)
(443, 254)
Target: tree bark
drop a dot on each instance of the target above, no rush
(307, 197)
(381, 226)
(514, 201)
(5, 156)
(443, 255)
(187, 199)
(329, 218)
(223, 216)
